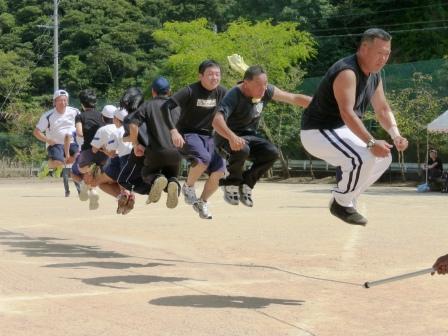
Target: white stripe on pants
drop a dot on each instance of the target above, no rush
(341, 147)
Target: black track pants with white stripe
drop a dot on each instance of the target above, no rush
(341, 147)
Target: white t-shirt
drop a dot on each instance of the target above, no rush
(56, 125)
(103, 135)
(116, 143)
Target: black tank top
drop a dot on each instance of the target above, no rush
(323, 111)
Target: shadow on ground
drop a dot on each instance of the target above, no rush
(105, 264)
(128, 279)
(217, 301)
(48, 247)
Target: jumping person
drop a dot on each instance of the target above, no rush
(332, 128)
(193, 133)
(130, 177)
(236, 124)
(87, 123)
(58, 124)
(92, 160)
(118, 152)
(162, 159)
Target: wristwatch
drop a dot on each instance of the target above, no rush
(371, 143)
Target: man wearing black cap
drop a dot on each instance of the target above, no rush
(162, 159)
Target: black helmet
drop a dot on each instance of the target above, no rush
(131, 99)
(87, 98)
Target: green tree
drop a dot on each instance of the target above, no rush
(415, 107)
(281, 49)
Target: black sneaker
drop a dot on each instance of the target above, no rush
(347, 214)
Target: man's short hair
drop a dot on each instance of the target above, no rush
(370, 34)
(253, 71)
(131, 99)
(208, 64)
(87, 98)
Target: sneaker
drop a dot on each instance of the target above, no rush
(189, 194)
(93, 200)
(347, 214)
(231, 194)
(44, 170)
(67, 193)
(83, 191)
(157, 187)
(246, 195)
(129, 205)
(122, 201)
(173, 195)
(201, 208)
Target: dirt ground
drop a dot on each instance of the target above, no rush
(284, 267)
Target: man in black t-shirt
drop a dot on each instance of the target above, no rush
(87, 123)
(162, 159)
(332, 128)
(236, 123)
(193, 133)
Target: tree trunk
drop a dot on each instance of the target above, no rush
(418, 158)
(401, 162)
(285, 164)
(311, 165)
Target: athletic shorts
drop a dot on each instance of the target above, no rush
(112, 168)
(56, 152)
(200, 148)
(87, 157)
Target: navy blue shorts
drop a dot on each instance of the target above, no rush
(130, 176)
(113, 168)
(75, 168)
(56, 152)
(87, 157)
(201, 149)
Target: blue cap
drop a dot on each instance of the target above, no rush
(161, 85)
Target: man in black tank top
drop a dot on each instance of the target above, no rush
(332, 128)
(192, 134)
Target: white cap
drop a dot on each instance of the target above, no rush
(59, 93)
(109, 111)
(120, 114)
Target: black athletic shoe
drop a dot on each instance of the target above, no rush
(347, 214)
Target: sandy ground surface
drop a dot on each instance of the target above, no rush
(284, 267)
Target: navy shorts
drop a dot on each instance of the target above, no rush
(130, 176)
(75, 168)
(113, 168)
(87, 157)
(201, 149)
(56, 152)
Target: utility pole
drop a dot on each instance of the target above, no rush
(55, 46)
